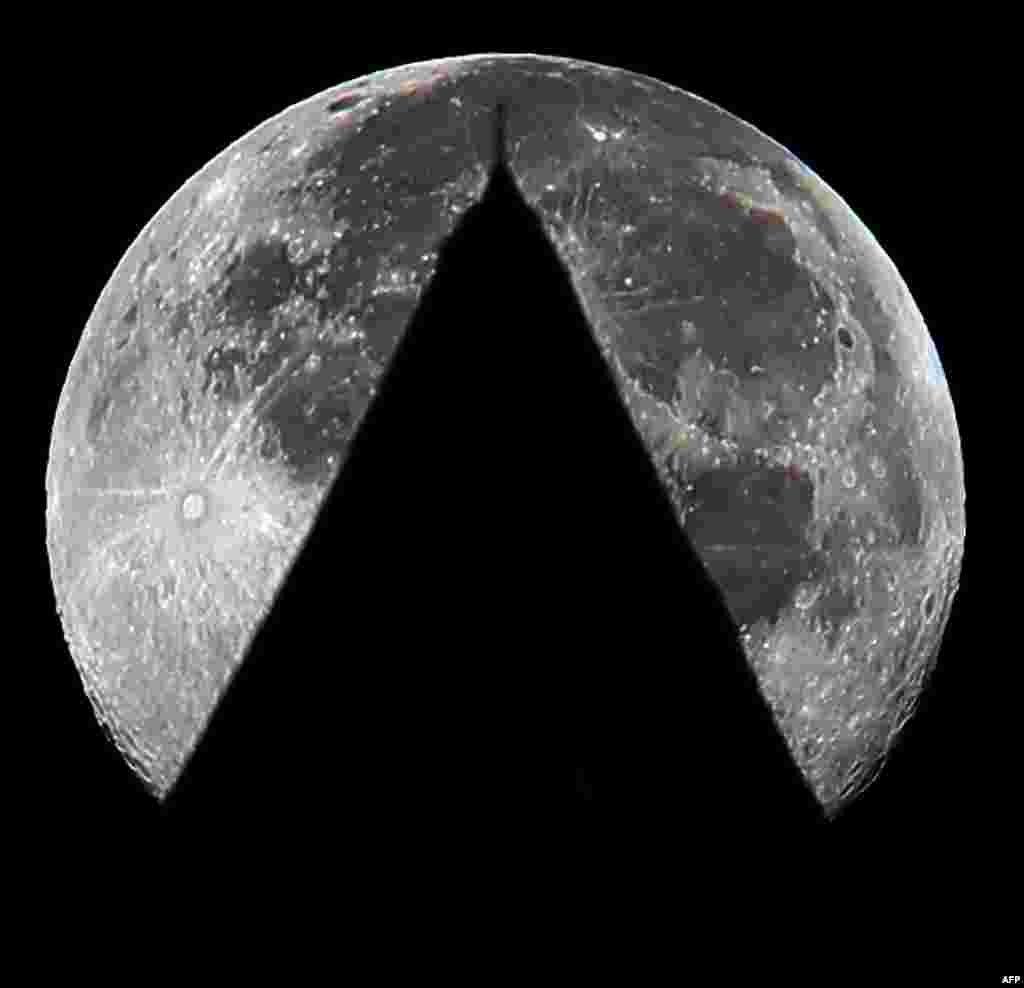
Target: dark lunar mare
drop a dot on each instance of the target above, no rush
(748, 523)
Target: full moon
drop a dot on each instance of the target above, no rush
(768, 353)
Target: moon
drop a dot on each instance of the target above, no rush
(767, 351)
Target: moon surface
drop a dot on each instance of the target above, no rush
(766, 349)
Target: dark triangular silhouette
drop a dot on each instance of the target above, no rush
(496, 577)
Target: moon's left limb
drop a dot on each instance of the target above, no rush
(220, 381)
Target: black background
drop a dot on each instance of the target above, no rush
(428, 668)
